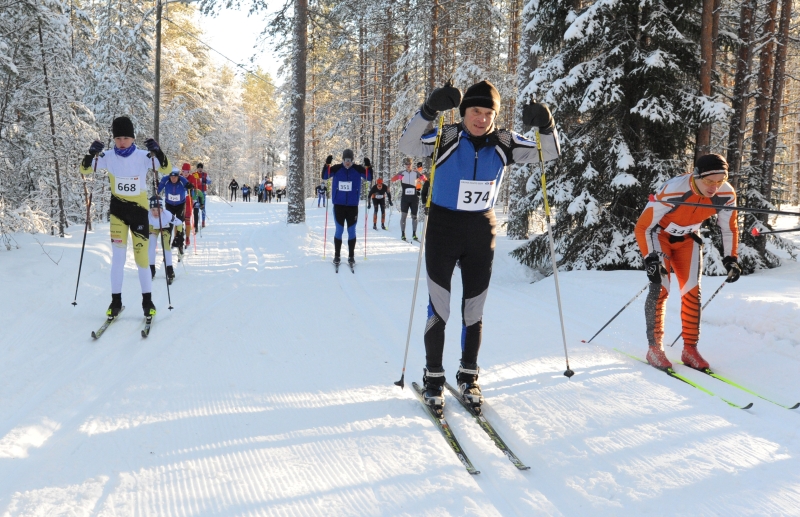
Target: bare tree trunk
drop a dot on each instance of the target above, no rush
(703, 138)
(297, 129)
(741, 84)
(778, 84)
(433, 44)
(61, 215)
(762, 98)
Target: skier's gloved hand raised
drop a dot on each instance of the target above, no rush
(732, 266)
(441, 99)
(96, 148)
(538, 115)
(329, 159)
(155, 150)
(653, 268)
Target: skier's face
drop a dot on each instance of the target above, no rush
(123, 142)
(478, 120)
(709, 185)
(173, 179)
(155, 211)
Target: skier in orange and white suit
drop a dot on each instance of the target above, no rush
(668, 237)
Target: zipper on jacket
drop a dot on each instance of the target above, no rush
(475, 170)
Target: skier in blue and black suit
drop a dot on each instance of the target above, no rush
(471, 159)
(175, 187)
(345, 195)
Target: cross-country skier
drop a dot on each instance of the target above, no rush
(461, 225)
(161, 221)
(322, 194)
(205, 181)
(668, 237)
(409, 198)
(174, 187)
(345, 195)
(376, 197)
(268, 188)
(245, 192)
(234, 186)
(127, 169)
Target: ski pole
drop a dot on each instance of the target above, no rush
(569, 373)
(161, 228)
(325, 200)
(366, 216)
(706, 304)
(85, 229)
(755, 233)
(652, 198)
(615, 315)
(401, 382)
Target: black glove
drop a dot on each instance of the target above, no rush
(369, 205)
(732, 266)
(538, 115)
(155, 150)
(329, 159)
(535, 114)
(391, 204)
(653, 268)
(367, 163)
(96, 148)
(441, 99)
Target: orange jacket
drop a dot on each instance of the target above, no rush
(660, 216)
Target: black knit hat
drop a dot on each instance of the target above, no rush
(709, 164)
(483, 95)
(348, 153)
(200, 165)
(122, 126)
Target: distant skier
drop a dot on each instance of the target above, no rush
(161, 221)
(376, 196)
(175, 188)
(461, 224)
(322, 194)
(280, 193)
(669, 239)
(234, 187)
(205, 181)
(127, 169)
(268, 188)
(245, 192)
(409, 199)
(345, 196)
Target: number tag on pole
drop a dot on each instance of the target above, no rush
(474, 196)
(126, 186)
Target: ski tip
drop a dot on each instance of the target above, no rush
(795, 406)
(748, 406)
(94, 336)
(144, 334)
(474, 472)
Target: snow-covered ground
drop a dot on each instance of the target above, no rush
(268, 390)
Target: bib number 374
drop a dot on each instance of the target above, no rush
(475, 196)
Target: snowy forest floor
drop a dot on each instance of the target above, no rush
(268, 390)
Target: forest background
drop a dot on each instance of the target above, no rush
(638, 89)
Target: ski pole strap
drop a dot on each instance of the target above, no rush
(435, 157)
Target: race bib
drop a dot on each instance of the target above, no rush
(674, 229)
(126, 186)
(378, 196)
(176, 198)
(475, 196)
(346, 186)
(410, 191)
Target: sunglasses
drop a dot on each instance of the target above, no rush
(712, 183)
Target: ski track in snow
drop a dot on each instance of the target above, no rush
(268, 389)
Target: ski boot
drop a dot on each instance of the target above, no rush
(147, 305)
(657, 358)
(403, 236)
(433, 396)
(383, 226)
(351, 262)
(374, 226)
(170, 275)
(115, 307)
(336, 262)
(414, 237)
(204, 224)
(468, 388)
(152, 271)
(692, 358)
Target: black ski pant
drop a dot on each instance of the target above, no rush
(382, 204)
(233, 194)
(345, 214)
(406, 203)
(468, 238)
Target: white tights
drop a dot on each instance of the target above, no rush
(118, 268)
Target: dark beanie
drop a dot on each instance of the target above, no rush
(709, 164)
(122, 126)
(348, 153)
(200, 165)
(483, 95)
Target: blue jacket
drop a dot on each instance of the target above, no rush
(466, 158)
(346, 185)
(175, 193)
